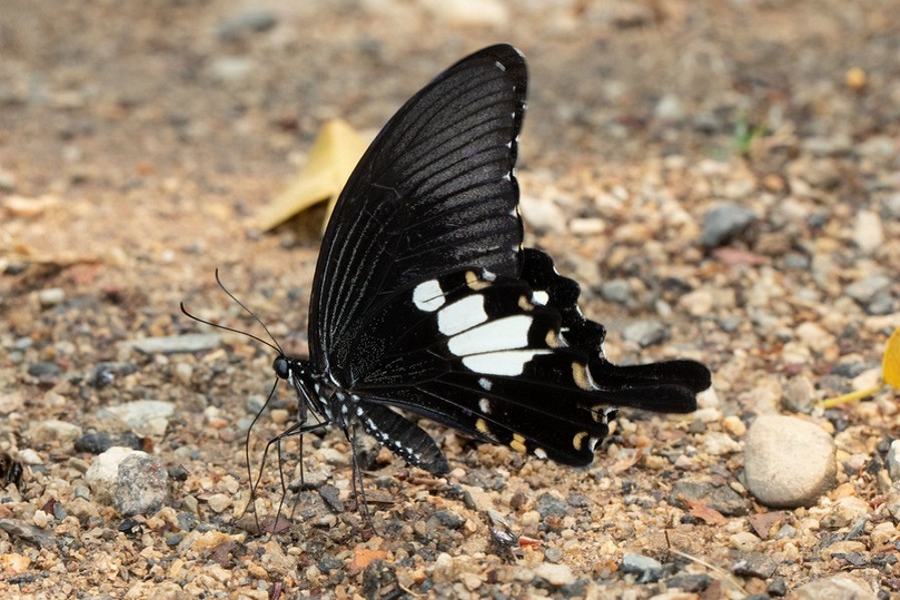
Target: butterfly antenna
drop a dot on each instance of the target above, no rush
(274, 345)
(191, 315)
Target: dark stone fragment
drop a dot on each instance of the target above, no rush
(754, 564)
(106, 373)
(44, 370)
(329, 564)
(98, 442)
(331, 496)
(694, 584)
(143, 485)
(850, 369)
(723, 222)
(578, 500)
(449, 519)
(647, 569)
(131, 528)
(27, 532)
(178, 473)
(576, 589)
(549, 505)
(380, 582)
(718, 497)
(777, 587)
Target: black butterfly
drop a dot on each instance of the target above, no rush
(425, 300)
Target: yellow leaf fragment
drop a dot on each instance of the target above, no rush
(890, 374)
(332, 159)
(890, 364)
(849, 397)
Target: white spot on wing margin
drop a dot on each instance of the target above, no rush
(428, 296)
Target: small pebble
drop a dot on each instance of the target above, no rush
(720, 444)
(469, 13)
(55, 431)
(148, 417)
(553, 555)
(142, 485)
(718, 497)
(183, 373)
(893, 461)
(103, 473)
(587, 226)
(734, 425)
(845, 512)
(249, 21)
(646, 332)
(755, 564)
(98, 442)
(669, 109)
(555, 574)
(548, 505)
(865, 290)
(723, 222)
(177, 344)
(839, 587)
(868, 233)
(27, 456)
(616, 290)
(45, 371)
(543, 215)
(231, 69)
(51, 297)
(798, 395)
(647, 569)
(744, 541)
(774, 475)
(778, 587)
(219, 502)
(700, 303)
(28, 532)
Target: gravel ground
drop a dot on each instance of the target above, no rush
(722, 178)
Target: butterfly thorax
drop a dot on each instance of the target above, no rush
(315, 392)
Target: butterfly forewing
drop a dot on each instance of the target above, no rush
(434, 193)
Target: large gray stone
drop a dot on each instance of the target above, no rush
(788, 462)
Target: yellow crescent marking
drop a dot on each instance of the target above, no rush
(525, 304)
(552, 339)
(474, 282)
(579, 439)
(579, 374)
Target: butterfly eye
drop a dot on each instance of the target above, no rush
(281, 367)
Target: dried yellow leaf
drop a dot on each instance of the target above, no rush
(332, 159)
(890, 364)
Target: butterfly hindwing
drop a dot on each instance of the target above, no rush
(503, 365)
